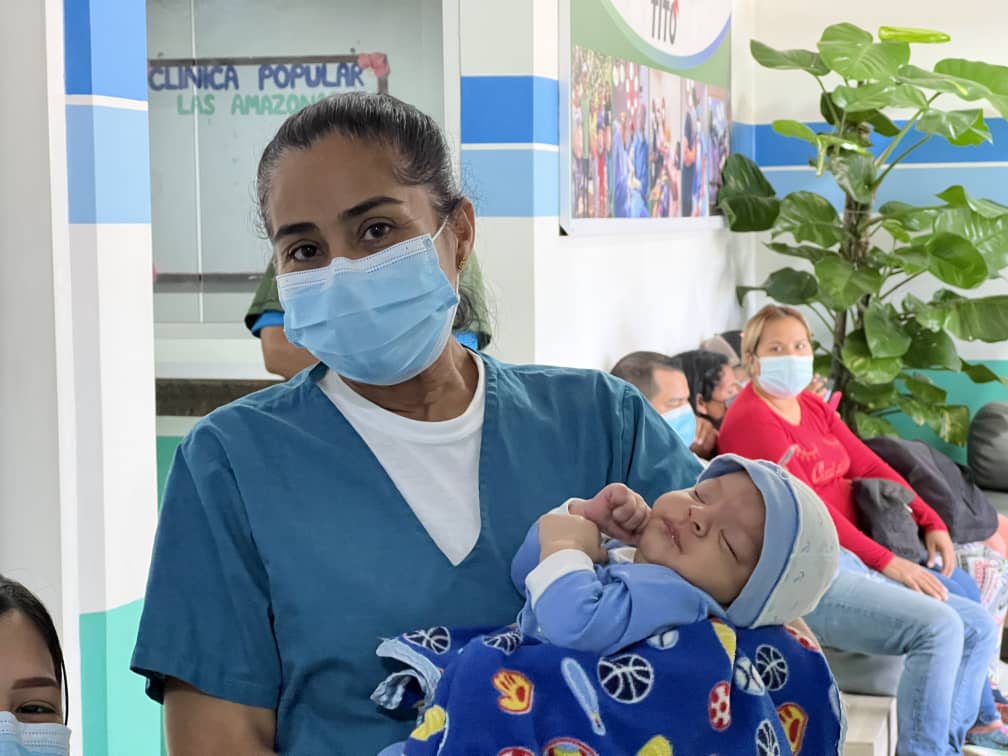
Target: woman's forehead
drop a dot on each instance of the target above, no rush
(23, 650)
(334, 175)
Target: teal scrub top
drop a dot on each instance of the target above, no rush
(284, 552)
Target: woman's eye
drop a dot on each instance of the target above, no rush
(377, 231)
(35, 709)
(303, 253)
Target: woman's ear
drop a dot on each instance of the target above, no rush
(701, 405)
(463, 226)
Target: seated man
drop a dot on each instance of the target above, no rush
(663, 383)
(264, 320)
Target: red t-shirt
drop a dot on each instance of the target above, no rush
(828, 457)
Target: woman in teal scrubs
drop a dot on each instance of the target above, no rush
(385, 489)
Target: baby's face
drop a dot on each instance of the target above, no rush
(712, 535)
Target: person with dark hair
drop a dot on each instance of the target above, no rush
(712, 383)
(264, 319)
(401, 473)
(33, 682)
(663, 383)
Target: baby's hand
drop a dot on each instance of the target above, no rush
(617, 511)
(570, 531)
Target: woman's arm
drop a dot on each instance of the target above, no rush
(200, 725)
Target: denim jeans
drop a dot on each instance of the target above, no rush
(946, 646)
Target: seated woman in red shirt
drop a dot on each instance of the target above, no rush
(947, 638)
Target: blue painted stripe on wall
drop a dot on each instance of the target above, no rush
(108, 165)
(510, 110)
(914, 185)
(743, 139)
(772, 149)
(513, 183)
(105, 44)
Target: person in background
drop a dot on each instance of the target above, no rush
(416, 460)
(663, 383)
(878, 603)
(264, 320)
(712, 387)
(33, 681)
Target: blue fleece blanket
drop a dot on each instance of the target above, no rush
(703, 689)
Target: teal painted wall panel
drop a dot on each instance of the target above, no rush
(118, 716)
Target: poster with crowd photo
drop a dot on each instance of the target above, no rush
(645, 112)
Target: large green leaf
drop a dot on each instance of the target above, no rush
(801, 60)
(853, 53)
(855, 173)
(993, 77)
(896, 231)
(912, 35)
(952, 423)
(866, 367)
(746, 198)
(879, 95)
(870, 426)
(833, 114)
(980, 319)
(789, 286)
(988, 235)
(879, 396)
(918, 411)
(841, 284)
(912, 218)
(804, 251)
(924, 389)
(981, 373)
(955, 261)
(957, 196)
(962, 128)
(931, 349)
(884, 333)
(795, 129)
(809, 217)
(912, 259)
(928, 316)
(942, 80)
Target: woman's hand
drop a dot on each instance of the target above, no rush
(617, 511)
(706, 438)
(939, 541)
(915, 577)
(570, 531)
(818, 387)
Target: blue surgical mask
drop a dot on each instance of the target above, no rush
(683, 423)
(23, 739)
(380, 320)
(785, 376)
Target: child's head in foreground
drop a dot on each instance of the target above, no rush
(756, 539)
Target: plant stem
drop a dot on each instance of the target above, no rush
(903, 132)
(829, 100)
(898, 160)
(825, 322)
(906, 280)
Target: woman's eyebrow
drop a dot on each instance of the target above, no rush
(34, 682)
(369, 204)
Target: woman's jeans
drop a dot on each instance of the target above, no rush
(947, 647)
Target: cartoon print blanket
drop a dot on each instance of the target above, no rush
(701, 689)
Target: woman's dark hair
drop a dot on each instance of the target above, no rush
(424, 157)
(703, 372)
(13, 595)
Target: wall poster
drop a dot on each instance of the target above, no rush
(644, 113)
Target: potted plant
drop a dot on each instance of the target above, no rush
(863, 255)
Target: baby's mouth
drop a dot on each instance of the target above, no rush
(673, 533)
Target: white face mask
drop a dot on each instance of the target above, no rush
(35, 739)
